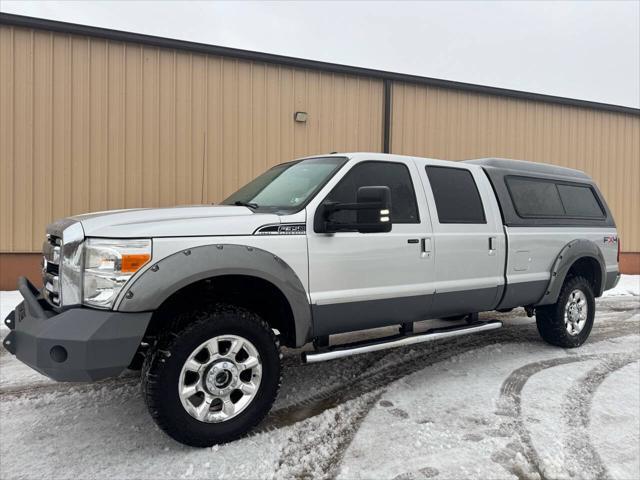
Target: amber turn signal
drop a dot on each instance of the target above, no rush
(133, 262)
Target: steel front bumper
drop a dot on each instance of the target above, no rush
(75, 345)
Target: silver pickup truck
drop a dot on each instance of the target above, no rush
(201, 298)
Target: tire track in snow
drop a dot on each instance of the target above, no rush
(377, 380)
(316, 449)
(576, 408)
(381, 377)
(368, 381)
(510, 403)
(329, 448)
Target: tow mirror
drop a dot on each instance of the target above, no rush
(373, 213)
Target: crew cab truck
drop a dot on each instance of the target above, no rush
(201, 298)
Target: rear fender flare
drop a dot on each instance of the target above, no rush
(570, 253)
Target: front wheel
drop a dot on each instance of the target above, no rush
(215, 379)
(569, 321)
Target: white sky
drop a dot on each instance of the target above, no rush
(586, 50)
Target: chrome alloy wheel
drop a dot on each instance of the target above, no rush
(220, 378)
(575, 312)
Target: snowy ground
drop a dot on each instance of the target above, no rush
(490, 406)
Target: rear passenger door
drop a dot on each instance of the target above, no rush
(469, 242)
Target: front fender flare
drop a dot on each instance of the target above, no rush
(569, 254)
(183, 268)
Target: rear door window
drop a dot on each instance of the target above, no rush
(456, 195)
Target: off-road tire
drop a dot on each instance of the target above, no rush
(165, 359)
(550, 318)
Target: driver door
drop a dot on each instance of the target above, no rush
(367, 280)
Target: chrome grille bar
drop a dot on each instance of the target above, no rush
(51, 268)
(62, 263)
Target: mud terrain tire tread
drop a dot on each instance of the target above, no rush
(550, 318)
(163, 363)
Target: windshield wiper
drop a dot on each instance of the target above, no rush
(251, 205)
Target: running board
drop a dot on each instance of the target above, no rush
(357, 348)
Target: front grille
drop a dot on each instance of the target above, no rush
(53, 269)
(51, 256)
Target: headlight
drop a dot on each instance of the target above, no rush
(108, 265)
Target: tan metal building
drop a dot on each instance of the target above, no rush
(94, 119)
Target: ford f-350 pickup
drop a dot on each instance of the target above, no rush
(201, 298)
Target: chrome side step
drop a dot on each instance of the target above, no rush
(397, 341)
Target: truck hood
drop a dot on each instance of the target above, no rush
(199, 220)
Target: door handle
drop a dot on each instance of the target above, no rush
(492, 245)
(425, 247)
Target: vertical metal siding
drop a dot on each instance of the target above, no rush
(455, 125)
(7, 162)
(88, 124)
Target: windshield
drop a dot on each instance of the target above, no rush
(288, 186)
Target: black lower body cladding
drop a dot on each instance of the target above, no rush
(76, 345)
(362, 315)
(611, 280)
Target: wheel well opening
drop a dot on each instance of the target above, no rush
(588, 268)
(253, 293)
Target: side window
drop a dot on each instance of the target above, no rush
(404, 208)
(580, 201)
(534, 198)
(456, 195)
(545, 198)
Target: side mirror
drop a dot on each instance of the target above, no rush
(373, 213)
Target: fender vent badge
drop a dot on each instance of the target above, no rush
(283, 229)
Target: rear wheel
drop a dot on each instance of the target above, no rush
(215, 379)
(569, 321)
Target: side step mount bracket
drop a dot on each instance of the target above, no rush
(400, 340)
